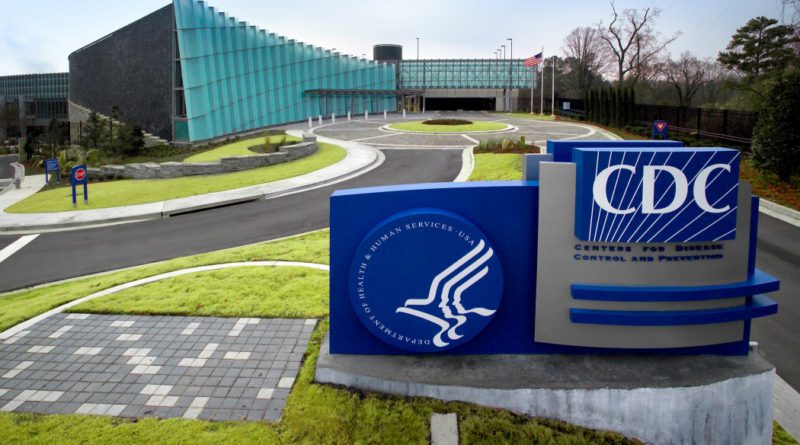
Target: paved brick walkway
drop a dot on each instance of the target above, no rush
(165, 367)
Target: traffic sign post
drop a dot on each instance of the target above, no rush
(566, 106)
(51, 165)
(80, 176)
(660, 127)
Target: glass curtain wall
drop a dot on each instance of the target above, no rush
(237, 77)
(464, 73)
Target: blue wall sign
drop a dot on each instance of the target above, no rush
(454, 294)
(51, 165)
(79, 175)
(660, 127)
(656, 195)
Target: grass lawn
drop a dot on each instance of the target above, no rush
(141, 191)
(264, 292)
(20, 306)
(475, 126)
(497, 167)
(236, 149)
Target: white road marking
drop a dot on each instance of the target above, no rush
(129, 337)
(239, 326)
(286, 382)
(77, 316)
(156, 390)
(236, 355)
(16, 337)
(195, 408)
(16, 246)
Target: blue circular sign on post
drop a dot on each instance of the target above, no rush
(426, 280)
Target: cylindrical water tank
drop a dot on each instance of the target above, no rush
(386, 53)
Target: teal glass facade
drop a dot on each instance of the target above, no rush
(464, 73)
(234, 77)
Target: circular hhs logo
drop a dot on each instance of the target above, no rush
(426, 280)
(80, 174)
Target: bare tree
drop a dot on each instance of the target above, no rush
(791, 9)
(687, 75)
(632, 39)
(589, 55)
(715, 78)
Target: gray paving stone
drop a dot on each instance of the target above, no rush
(276, 348)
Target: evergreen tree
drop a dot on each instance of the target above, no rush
(632, 110)
(606, 106)
(590, 106)
(776, 138)
(585, 99)
(615, 98)
(601, 101)
(623, 108)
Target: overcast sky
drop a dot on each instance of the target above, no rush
(38, 35)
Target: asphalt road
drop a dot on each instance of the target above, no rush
(61, 255)
(6, 170)
(779, 335)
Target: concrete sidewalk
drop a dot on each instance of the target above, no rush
(359, 159)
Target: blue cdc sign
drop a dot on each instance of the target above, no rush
(616, 248)
(656, 195)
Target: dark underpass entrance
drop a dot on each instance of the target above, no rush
(460, 103)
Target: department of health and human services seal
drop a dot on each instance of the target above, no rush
(426, 280)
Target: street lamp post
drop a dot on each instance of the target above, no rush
(511, 78)
(417, 48)
(504, 89)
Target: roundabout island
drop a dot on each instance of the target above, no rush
(459, 126)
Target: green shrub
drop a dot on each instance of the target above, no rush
(776, 138)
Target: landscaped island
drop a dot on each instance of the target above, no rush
(448, 126)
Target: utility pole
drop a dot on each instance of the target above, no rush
(553, 107)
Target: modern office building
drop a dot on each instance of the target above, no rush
(190, 73)
(38, 99)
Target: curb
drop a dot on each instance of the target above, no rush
(779, 212)
(467, 165)
(32, 321)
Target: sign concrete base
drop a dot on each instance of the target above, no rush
(661, 399)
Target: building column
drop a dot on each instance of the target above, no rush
(3, 134)
(23, 119)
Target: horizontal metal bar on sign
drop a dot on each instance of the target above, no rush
(760, 306)
(758, 283)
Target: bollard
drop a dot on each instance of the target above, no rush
(320, 119)
(404, 113)
(17, 183)
(384, 114)
(366, 115)
(348, 116)
(333, 118)
(310, 122)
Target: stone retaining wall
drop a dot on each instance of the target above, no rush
(152, 170)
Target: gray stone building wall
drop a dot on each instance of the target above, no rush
(131, 68)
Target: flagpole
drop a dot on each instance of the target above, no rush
(541, 111)
(533, 70)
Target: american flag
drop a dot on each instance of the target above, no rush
(533, 61)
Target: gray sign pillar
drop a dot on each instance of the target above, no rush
(23, 119)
